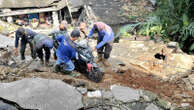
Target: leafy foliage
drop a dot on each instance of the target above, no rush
(173, 20)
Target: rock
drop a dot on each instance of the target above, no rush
(191, 78)
(92, 101)
(185, 95)
(185, 105)
(163, 104)
(149, 96)
(152, 107)
(82, 90)
(4, 106)
(125, 94)
(115, 108)
(42, 94)
(10, 63)
(107, 95)
(188, 84)
(173, 45)
(137, 106)
(96, 93)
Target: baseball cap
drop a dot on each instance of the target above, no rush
(75, 33)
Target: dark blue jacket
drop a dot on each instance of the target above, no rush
(29, 35)
(65, 51)
(41, 40)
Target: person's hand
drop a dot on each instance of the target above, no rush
(94, 48)
(16, 51)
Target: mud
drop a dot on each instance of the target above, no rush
(171, 91)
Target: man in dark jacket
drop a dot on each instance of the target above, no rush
(66, 51)
(42, 42)
(26, 36)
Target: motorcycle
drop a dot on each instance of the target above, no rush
(85, 63)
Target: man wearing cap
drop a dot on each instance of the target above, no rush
(66, 51)
(42, 42)
(26, 36)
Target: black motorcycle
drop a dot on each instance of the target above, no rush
(85, 63)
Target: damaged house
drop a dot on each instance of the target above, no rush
(40, 13)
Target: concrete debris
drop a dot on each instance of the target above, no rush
(152, 107)
(125, 94)
(96, 93)
(42, 94)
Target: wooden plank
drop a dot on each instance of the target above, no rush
(27, 11)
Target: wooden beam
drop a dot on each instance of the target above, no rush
(27, 11)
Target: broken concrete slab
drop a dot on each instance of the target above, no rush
(142, 55)
(42, 94)
(125, 94)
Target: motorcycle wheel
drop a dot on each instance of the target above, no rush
(95, 75)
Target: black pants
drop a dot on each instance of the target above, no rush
(23, 48)
(105, 49)
(41, 54)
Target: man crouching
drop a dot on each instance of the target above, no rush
(66, 52)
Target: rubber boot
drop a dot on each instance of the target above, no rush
(57, 68)
(106, 63)
(99, 58)
(67, 72)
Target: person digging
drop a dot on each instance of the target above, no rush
(42, 43)
(104, 41)
(25, 36)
